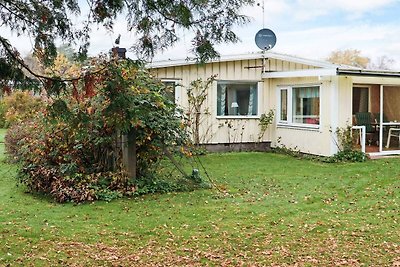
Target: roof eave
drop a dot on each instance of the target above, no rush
(369, 73)
(256, 55)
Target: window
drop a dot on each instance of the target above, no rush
(304, 103)
(171, 87)
(237, 98)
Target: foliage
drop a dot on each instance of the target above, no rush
(283, 149)
(2, 115)
(11, 73)
(2, 135)
(156, 24)
(21, 106)
(76, 155)
(197, 94)
(345, 145)
(276, 211)
(348, 155)
(17, 136)
(63, 67)
(351, 57)
(265, 121)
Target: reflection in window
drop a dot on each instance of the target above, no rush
(284, 104)
(237, 99)
(170, 89)
(305, 105)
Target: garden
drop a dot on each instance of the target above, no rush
(268, 209)
(68, 197)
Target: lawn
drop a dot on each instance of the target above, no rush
(279, 211)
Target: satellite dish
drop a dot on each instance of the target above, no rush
(265, 39)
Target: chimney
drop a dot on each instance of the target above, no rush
(119, 52)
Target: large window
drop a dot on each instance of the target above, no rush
(300, 105)
(237, 98)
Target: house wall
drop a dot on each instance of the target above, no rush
(234, 130)
(311, 139)
(227, 129)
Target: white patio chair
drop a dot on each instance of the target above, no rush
(395, 132)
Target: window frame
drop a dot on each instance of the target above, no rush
(259, 85)
(289, 106)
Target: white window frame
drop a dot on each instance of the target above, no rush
(289, 103)
(259, 97)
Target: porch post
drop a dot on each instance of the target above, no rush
(380, 118)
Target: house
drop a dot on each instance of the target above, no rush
(311, 99)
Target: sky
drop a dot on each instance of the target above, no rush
(306, 28)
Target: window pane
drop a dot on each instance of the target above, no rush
(305, 104)
(284, 105)
(360, 99)
(170, 90)
(237, 99)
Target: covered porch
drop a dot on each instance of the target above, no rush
(376, 118)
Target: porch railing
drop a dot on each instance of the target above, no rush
(361, 129)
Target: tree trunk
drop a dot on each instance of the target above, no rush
(129, 153)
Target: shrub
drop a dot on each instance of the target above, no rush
(21, 106)
(16, 137)
(345, 145)
(77, 156)
(71, 158)
(2, 115)
(348, 155)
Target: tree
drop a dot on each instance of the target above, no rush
(196, 114)
(154, 22)
(73, 150)
(382, 63)
(351, 57)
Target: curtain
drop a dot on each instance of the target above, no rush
(232, 97)
(252, 100)
(363, 100)
(391, 100)
(305, 105)
(222, 99)
(307, 92)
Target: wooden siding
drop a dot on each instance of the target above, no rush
(249, 69)
(246, 129)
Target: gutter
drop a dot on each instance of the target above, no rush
(370, 73)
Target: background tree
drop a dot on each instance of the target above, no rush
(351, 57)
(382, 63)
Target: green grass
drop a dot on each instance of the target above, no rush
(279, 211)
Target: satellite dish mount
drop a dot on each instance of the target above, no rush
(265, 40)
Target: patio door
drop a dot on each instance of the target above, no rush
(389, 120)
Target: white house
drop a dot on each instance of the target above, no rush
(311, 99)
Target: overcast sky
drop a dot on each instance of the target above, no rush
(306, 28)
(314, 28)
